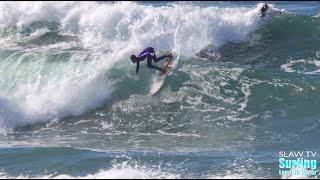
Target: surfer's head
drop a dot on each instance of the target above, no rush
(265, 7)
(133, 58)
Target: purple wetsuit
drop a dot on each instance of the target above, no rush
(150, 55)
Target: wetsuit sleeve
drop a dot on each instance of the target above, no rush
(137, 68)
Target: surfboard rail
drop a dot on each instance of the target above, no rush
(160, 78)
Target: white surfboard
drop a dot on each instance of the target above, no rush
(160, 78)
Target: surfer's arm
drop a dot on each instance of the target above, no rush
(137, 68)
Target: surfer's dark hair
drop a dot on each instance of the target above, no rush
(132, 57)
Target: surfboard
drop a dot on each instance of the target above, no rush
(159, 79)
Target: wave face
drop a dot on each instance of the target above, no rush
(56, 59)
(241, 83)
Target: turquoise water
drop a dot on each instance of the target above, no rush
(245, 88)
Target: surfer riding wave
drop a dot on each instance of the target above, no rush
(150, 55)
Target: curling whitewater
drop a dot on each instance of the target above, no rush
(244, 89)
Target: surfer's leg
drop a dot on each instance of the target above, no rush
(149, 64)
(159, 58)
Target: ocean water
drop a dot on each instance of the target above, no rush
(244, 92)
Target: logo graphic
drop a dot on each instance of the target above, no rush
(298, 163)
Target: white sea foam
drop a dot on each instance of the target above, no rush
(118, 171)
(122, 24)
(301, 69)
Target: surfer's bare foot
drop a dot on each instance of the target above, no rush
(167, 62)
(163, 72)
(169, 54)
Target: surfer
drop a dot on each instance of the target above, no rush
(264, 9)
(150, 55)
